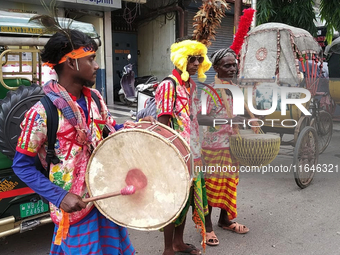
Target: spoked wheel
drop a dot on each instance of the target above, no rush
(324, 128)
(306, 154)
(303, 122)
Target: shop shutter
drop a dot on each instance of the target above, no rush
(224, 38)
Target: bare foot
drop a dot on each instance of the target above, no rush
(190, 249)
(168, 252)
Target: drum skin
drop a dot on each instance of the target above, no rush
(167, 190)
(172, 136)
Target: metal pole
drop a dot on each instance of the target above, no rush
(108, 58)
(237, 13)
(253, 5)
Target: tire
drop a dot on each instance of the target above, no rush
(122, 98)
(12, 111)
(128, 103)
(302, 123)
(116, 93)
(324, 129)
(306, 155)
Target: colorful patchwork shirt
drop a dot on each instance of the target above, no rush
(69, 174)
(217, 137)
(183, 112)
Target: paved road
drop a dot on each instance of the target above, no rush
(283, 219)
(120, 110)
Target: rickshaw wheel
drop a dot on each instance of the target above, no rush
(12, 112)
(306, 154)
(324, 128)
(302, 123)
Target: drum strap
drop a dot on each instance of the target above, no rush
(175, 95)
(175, 86)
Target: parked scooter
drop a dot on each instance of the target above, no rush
(128, 94)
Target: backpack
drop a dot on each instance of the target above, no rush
(150, 108)
(52, 127)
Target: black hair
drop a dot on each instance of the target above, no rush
(219, 54)
(59, 45)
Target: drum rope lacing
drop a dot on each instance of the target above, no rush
(170, 139)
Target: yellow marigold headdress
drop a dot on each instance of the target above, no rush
(182, 50)
(206, 20)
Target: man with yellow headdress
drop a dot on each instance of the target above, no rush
(177, 106)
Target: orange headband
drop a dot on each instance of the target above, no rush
(75, 54)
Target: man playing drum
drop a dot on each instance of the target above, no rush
(221, 186)
(177, 106)
(80, 228)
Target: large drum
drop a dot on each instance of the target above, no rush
(170, 135)
(162, 155)
(255, 149)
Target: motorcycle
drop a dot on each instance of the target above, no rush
(131, 86)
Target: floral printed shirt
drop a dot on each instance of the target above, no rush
(183, 111)
(69, 174)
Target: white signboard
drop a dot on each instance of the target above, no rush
(115, 4)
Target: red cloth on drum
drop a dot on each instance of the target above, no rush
(222, 183)
(94, 235)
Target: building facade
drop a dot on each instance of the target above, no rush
(160, 23)
(96, 12)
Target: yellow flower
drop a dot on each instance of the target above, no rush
(66, 177)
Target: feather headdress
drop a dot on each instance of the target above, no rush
(51, 25)
(50, 22)
(207, 19)
(243, 27)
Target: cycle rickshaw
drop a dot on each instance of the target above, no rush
(274, 56)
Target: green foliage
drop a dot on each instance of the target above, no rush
(295, 13)
(330, 12)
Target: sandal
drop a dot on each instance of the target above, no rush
(211, 239)
(188, 250)
(235, 227)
